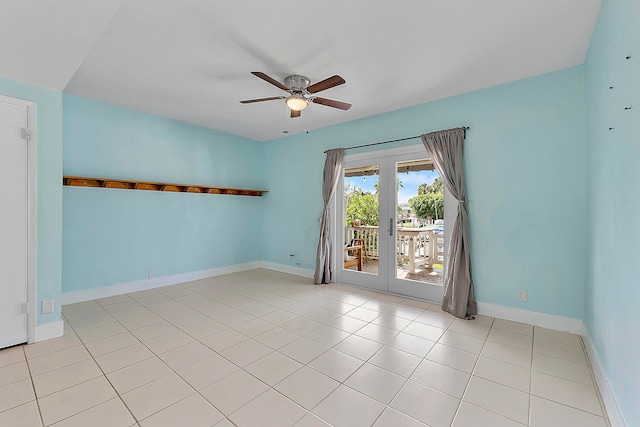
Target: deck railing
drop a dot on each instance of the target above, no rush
(424, 246)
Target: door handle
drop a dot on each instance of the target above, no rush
(390, 227)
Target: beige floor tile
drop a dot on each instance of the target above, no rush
(363, 314)
(439, 320)
(347, 407)
(233, 391)
(111, 413)
(453, 357)
(377, 333)
(307, 387)
(511, 326)
(562, 351)
(503, 373)
(25, 415)
(13, 373)
(567, 392)
(59, 379)
(348, 324)
(204, 329)
(511, 338)
(336, 364)
(101, 331)
(254, 327)
(141, 321)
(442, 378)
(138, 374)
(50, 346)
(190, 319)
(11, 355)
(411, 344)
(359, 347)
(186, 355)
(469, 328)
(545, 413)
(498, 398)
(462, 342)
(427, 332)
(396, 361)
(562, 368)
(59, 359)
(392, 418)
(73, 400)
(207, 371)
(246, 352)
(223, 340)
(112, 343)
(154, 330)
(309, 420)
(167, 342)
(16, 394)
(471, 415)
(327, 335)
(269, 409)
(557, 336)
(425, 404)
(193, 411)
(392, 322)
(376, 383)
(273, 368)
(152, 397)
(277, 337)
(124, 357)
(506, 353)
(279, 317)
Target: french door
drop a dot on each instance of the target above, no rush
(396, 248)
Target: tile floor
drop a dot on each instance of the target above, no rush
(262, 348)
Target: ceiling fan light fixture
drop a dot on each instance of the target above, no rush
(296, 102)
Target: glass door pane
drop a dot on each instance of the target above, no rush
(361, 204)
(420, 222)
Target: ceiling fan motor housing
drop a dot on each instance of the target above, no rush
(297, 83)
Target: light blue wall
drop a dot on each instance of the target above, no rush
(49, 198)
(612, 315)
(115, 236)
(525, 165)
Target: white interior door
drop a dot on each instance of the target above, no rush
(403, 254)
(13, 224)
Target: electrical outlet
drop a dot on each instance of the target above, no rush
(150, 274)
(47, 306)
(522, 295)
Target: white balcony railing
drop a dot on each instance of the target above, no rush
(424, 246)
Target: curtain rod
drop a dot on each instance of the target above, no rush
(466, 128)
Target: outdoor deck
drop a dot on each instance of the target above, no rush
(422, 274)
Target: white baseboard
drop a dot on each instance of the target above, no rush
(156, 282)
(49, 330)
(544, 320)
(604, 385)
(303, 272)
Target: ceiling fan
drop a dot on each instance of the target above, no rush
(300, 92)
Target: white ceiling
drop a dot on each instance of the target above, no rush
(190, 60)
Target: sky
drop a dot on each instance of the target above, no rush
(410, 182)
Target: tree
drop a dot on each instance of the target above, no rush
(363, 206)
(427, 205)
(437, 186)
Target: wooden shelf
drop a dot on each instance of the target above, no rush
(82, 181)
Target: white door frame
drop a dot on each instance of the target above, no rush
(32, 176)
(373, 156)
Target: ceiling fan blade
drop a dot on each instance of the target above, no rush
(331, 103)
(326, 84)
(249, 101)
(295, 114)
(266, 78)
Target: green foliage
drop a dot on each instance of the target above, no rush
(437, 186)
(427, 205)
(360, 205)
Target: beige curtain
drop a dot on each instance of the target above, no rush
(332, 167)
(445, 148)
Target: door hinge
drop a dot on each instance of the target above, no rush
(26, 134)
(28, 307)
